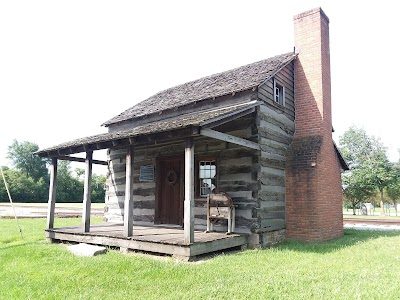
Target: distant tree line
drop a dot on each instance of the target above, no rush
(372, 177)
(28, 179)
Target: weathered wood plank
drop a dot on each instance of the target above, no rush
(271, 179)
(128, 205)
(271, 225)
(229, 138)
(80, 159)
(282, 118)
(271, 196)
(87, 191)
(189, 193)
(52, 194)
(280, 164)
(274, 135)
(277, 212)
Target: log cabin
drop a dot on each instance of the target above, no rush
(260, 133)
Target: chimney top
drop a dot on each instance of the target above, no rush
(310, 12)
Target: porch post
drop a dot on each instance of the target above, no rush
(188, 217)
(128, 205)
(52, 194)
(87, 191)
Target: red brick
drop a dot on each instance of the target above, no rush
(314, 194)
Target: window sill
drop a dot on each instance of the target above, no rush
(278, 106)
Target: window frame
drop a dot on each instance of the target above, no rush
(197, 171)
(281, 93)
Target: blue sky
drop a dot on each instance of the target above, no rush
(68, 66)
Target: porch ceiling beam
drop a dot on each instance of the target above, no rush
(128, 205)
(87, 191)
(229, 138)
(52, 194)
(79, 159)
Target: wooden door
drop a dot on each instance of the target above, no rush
(170, 183)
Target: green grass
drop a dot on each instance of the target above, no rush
(359, 265)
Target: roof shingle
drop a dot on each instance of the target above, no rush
(183, 121)
(235, 80)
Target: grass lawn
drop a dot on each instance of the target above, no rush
(360, 265)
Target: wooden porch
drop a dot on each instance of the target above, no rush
(155, 239)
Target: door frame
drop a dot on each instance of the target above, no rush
(158, 194)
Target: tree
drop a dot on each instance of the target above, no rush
(393, 189)
(98, 188)
(69, 188)
(369, 165)
(358, 186)
(23, 188)
(23, 158)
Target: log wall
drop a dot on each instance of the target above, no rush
(237, 175)
(276, 127)
(255, 179)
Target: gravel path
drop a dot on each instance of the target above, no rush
(6, 211)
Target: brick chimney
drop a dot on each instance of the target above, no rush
(313, 183)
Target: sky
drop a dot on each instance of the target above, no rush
(68, 66)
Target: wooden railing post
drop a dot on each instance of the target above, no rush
(188, 218)
(52, 194)
(128, 204)
(87, 191)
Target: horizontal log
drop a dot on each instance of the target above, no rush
(271, 179)
(237, 169)
(271, 196)
(274, 171)
(271, 204)
(273, 188)
(275, 136)
(144, 191)
(234, 187)
(271, 213)
(144, 204)
(143, 218)
(273, 147)
(269, 114)
(233, 153)
(271, 225)
(273, 163)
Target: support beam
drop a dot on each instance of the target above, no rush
(128, 205)
(229, 138)
(80, 159)
(188, 217)
(52, 194)
(87, 192)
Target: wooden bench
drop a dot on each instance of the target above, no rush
(219, 207)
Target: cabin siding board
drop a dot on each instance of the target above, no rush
(285, 77)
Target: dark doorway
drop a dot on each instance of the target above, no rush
(169, 196)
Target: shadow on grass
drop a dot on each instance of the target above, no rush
(350, 238)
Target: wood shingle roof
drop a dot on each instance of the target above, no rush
(232, 81)
(105, 140)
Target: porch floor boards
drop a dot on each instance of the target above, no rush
(158, 239)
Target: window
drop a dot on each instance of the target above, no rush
(279, 93)
(207, 177)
